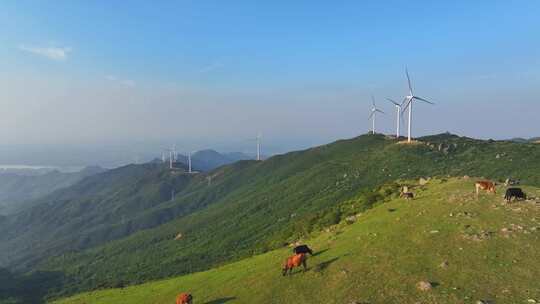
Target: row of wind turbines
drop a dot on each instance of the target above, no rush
(173, 155)
(406, 104)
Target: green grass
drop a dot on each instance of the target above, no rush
(381, 257)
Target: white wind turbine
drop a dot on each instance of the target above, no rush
(408, 103)
(374, 111)
(398, 114)
(259, 136)
(190, 167)
(189, 162)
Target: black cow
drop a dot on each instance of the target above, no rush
(514, 193)
(302, 249)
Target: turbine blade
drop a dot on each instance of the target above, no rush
(408, 80)
(422, 99)
(404, 101)
(377, 110)
(392, 101)
(406, 105)
(372, 112)
(373, 100)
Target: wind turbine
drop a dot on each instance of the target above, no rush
(374, 111)
(190, 167)
(398, 114)
(258, 141)
(189, 162)
(259, 136)
(408, 103)
(171, 161)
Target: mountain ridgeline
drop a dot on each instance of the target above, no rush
(18, 190)
(206, 160)
(125, 226)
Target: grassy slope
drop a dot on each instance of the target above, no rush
(381, 257)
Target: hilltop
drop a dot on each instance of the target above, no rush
(469, 249)
(123, 227)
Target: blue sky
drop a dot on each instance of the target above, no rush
(205, 73)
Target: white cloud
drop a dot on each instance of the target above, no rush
(111, 77)
(54, 53)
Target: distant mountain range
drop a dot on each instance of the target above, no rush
(17, 188)
(20, 187)
(525, 140)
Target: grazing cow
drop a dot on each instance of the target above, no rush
(511, 182)
(294, 261)
(485, 185)
(184, 298)
(516, 193)
(407, 195)
(303, 249)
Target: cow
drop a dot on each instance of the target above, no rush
(516, 193)
(485, 185)
(407, 195)
(184, 298)
(511, 182)
(294, 261)
(303, 249)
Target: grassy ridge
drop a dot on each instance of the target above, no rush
(489, 250)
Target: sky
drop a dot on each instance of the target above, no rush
(140, 76)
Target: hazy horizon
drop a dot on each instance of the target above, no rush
(109, 82)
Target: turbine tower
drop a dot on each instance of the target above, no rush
(189, 162)
(398, 114)
(408, 103)
(374, 111)
(259, 146)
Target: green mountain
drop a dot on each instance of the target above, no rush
(206, 160)
(468, 249)
(122, 227)
(17, 191)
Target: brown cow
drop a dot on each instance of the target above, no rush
(294, 261)
(485, 185)
(184, 298)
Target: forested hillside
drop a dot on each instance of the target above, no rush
(17, 191)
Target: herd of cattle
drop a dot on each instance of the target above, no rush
(489, 186)
(300, 252)
(511, 193)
